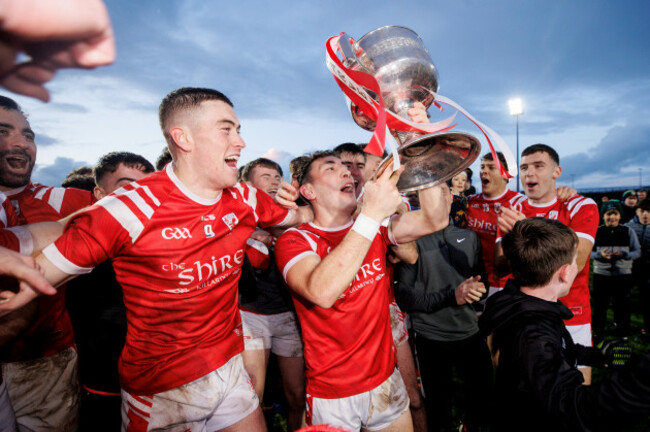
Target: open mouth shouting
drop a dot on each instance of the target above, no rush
(16, 162)
(349, 187)
(232, 160)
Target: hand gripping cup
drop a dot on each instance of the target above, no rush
(400, 63)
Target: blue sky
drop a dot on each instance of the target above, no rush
(581, 68)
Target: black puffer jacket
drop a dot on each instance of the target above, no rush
(537, 384)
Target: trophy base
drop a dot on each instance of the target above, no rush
(431, 159)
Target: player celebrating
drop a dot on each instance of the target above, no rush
(337, 272)
(482, 211)
(176, 240)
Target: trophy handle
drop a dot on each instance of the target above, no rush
(350, 58)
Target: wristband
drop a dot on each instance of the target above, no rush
(366, 227)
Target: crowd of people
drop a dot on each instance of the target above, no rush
(176, 284)
(147, 298)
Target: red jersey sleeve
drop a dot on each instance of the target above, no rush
(100, 232)
(584, 217)
(292, 246)
(267, 212)
(258, 254)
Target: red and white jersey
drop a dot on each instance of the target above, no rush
(349, 347)
(9, 238)
(52, 330)
(581, 215)
(178, 258)
(37, 203)
(482, 213)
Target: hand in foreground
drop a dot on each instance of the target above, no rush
(32, 283)
(55, 35)
(507, 219)
(565, 192)
(418, 113)
(381, 197)
(287, 196)
(470, 290)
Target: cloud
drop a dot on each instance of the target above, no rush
(53, 175)
(44, 140)
(281, 157)
(623, 148)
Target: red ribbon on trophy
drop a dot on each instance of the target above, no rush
(355, 83)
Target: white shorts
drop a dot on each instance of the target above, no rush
(398, 324)
(44, 392)
(277, 332)
(7, 417)
(372, 410)
(213, 402)
(581, 334)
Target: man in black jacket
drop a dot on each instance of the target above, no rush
(538, 385)
(436, 292)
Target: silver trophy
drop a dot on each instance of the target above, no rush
(399, 61)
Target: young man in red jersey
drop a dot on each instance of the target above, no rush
(539, 170)
(176, 240)
(483, 209)
(336, 269)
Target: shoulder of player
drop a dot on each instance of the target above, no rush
(298, 235)
(579, 203)
(135, 204)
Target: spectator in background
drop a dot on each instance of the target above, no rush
(630, 201)
(641, 268)
(458, 210)
(615, 247)
(437, 292)
(458, 183)
(469, 188)
(642, 194)
(604, 199)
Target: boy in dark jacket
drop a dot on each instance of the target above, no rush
(538, 385)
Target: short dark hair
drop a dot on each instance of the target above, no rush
(536, 248)
(111, 161)
(352, 148)
(303, 175)
(644, 204)
(247, 172)
(10, 105)
(163, 159)
(295, 166)
(500, 155)
(186, 98)
(79, 181)
(84, 170)
(543, 148)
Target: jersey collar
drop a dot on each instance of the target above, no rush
(188, 193)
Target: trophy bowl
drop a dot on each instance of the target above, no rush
(401, 64)
(432, 159)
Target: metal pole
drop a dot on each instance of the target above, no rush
(518, 175)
